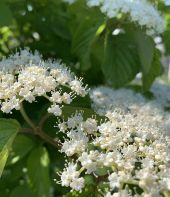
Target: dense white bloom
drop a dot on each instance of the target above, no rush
(127, 152)
(69, 1)
(121, 193)
(25, 76)
(140, 112)
(92, 3)
(161, 91)
(55, 109)
(105, 98)
(90, 126)
(140, 12)
(70, 177)
(89, 161)
(76, 143)
(74, 121)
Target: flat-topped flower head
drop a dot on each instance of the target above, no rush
(134, 160)
(140, 12)
(25, 76)
(142, 112)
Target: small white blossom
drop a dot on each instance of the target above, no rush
(90, 125)
(88, 161)
(76, 143)
(55, 109)
(70, 177)
(25, 76)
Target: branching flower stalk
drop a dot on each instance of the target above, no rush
(26, 118)
(24, 76)
(37, 130)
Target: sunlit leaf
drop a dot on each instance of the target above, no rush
(8, 131)
(38, 172)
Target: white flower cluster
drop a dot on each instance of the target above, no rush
(144, 111)
(135, 160)
(69, 1)
(70, 177)
(140, 12)
(25, 76)
(161, 91)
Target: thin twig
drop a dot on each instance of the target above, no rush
(37, 130)
(48, 139)
(44, 119)
(26, 118)
(27, 131)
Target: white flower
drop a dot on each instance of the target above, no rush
(69, 1)
(66, 98)
(114, 180)
(70, 177)
(90, 125)
(25, 76)
(13, 103)
(88, 161)
(77, 184)
(120, 154)
(140, 12)
(55, 109)
(56, 97)
(76, 86)
(76, 143)
(140, 112)
(74, 121)
(92, 3)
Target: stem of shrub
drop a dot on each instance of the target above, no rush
(26, 118)
(36, 130)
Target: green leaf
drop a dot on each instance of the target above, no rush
(155, 70)
(166, 39)
(22, 145)
(102, 171)
(166, 34)
(38, 172)
(22, 190)
(83, 39)
(89, 191)
(120, 64)
(8, 131)
(145, 46)
(166, 194)
(4, 193)
(12, 175)
(89, 180)
(5, 14)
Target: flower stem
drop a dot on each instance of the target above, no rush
(36, 130)
(47, 138)
(26, 118)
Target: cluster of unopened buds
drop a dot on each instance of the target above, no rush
(25, 76)
(140, 12)
(133, 161)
